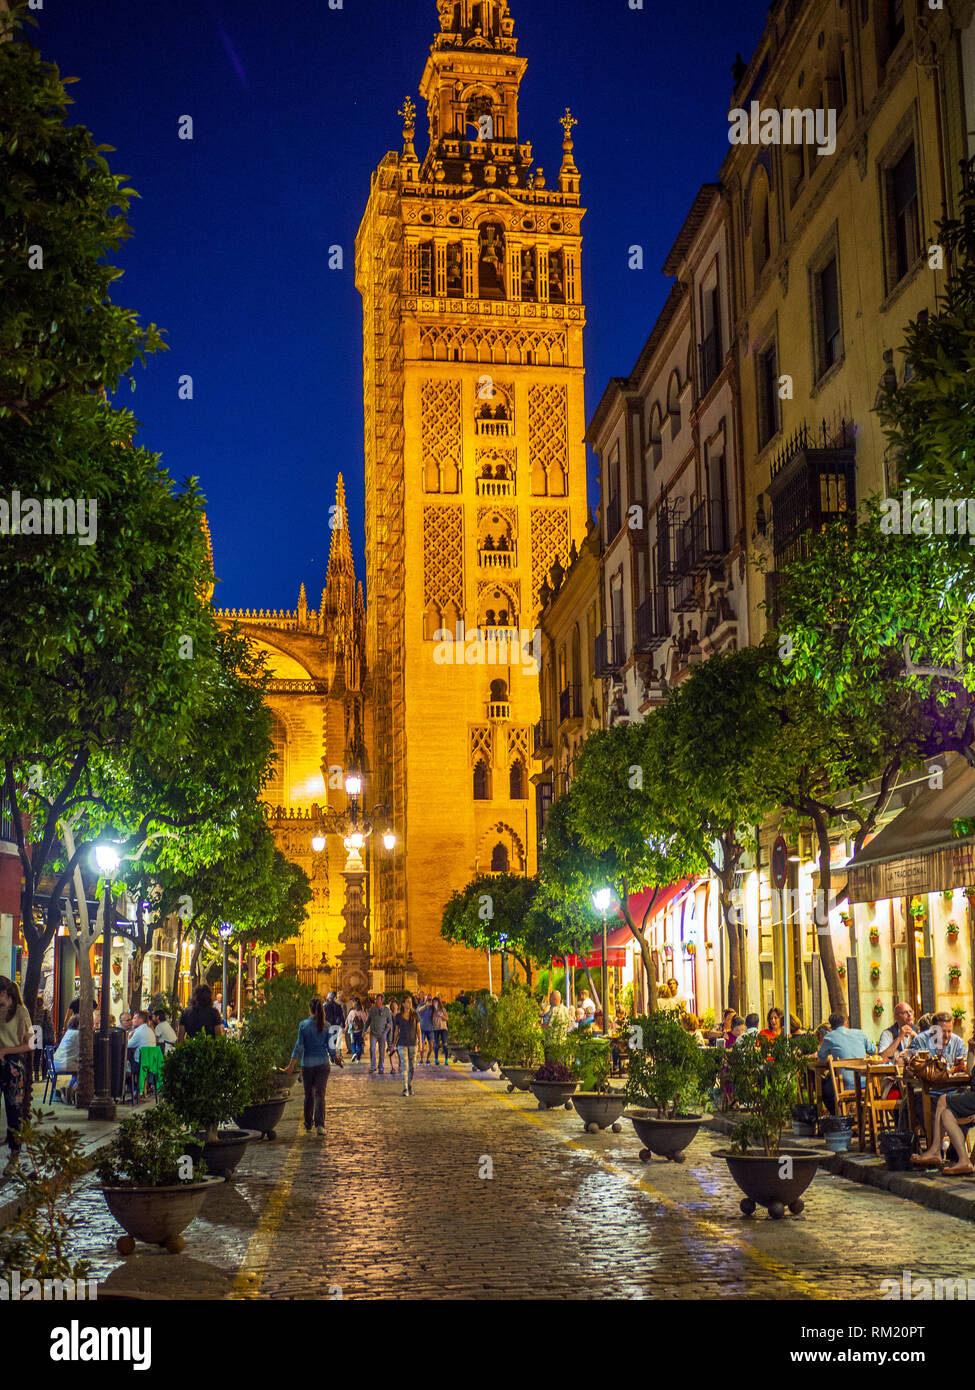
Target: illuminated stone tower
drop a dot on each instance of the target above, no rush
(469, 269)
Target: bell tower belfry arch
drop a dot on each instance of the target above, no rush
(468, 264)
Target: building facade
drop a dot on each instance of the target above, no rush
(468, 264)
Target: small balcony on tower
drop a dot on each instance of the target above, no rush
(497, 558)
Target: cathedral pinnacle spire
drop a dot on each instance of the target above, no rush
(484, 24)
(340, 562)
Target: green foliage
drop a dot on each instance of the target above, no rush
(460, 1025)
(37, 1241)
(515, 1035)
(765, 1079)
(205, 1081)
(668, 1072)
(261, 1055)
(480, 1013)
(147, 1151)
(274, 1020)
(593, 1060)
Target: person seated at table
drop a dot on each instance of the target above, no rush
(952, 1107)
(821, 1031)
(163, 1029)
(691, 1024)
(845, 1044)
(924, 1023)
(142, 1035)
(67, 1055)
(751, 1026)
(722, 1029)
(941, 1041)
(898, 1037)
(736, 1031)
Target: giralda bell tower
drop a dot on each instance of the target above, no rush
(469, 269)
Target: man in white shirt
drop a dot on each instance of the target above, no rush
(67, 1055)
(141, 1036)
(558, 1015)
(588, 1004)
(165, 1033)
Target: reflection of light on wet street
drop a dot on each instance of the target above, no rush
(391, 1205)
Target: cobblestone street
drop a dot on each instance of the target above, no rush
(391, 1205)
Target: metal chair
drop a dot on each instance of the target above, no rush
(51, 1078)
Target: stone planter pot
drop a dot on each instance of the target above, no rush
(665, 1138)
(551, 1094)
(599, 1110)
(518, 1078)
(771, 1183)
(284, 1079)
(222, 1154)
(156, 1215)
(481, 1061)
(459, 1054)
(265, 1117)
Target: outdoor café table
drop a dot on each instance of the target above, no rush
(914, 1084)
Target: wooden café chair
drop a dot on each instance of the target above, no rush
(882, 1111)
(846, 1096)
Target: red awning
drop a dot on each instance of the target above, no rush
(665, 897)
(619, 938)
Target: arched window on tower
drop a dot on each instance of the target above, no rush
(482, 782)
(491, 261)
(276, 789)
(499, 859)
(518, 781)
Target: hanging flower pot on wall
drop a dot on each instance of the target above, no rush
(878, 1008)
(952, 930)
(841, 971)
(918, 909)
(874, 936)
(875, 972)
(954, 976)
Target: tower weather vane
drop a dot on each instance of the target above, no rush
(408, 112)
(567, 122)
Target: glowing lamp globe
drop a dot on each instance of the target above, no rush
(389, 840)
(106, 857)
(601, 899)
(318, 843)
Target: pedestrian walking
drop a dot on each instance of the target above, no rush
(378, 1022)
(335, 1018)
(312, 1049)
(16, 1042)
(425, 1015)
(405, 1040)
(438, 1017)
(392, 1049)
(201, 1017)
(356, 1024)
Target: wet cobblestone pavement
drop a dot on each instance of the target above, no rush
(392, 1205)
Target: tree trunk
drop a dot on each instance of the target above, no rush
(195, 959)
(641, 940)
(834, 985)
(86, 994)
(595, 992)
(734, 958)
(135, 994)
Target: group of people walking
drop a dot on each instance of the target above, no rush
(398, 1030)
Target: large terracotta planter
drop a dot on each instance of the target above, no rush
(551, 1094)
(772, 1182)
(157, 1215)
(665, 1138)
(265, 1117)
(519, 1078)
(221, 1155)
(599, 1109)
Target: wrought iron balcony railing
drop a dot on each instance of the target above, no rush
(610, 652)
(813, 481)
(570, 703)
(652, 622)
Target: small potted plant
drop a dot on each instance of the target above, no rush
(596, 1105)
(875, 972)
(554, 1081)
(481, 1014)
(847, 919)
(970, 894)
(765, 1079)
(958, 1018)
(948, 894)
(878, 1008)
(205, 1081)
(952, 933)
(954, 976)
(918, 909)
(152, 1186)
(874, 936)
(668, 1084)
(841, 970)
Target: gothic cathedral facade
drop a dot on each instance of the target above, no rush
(468, 264)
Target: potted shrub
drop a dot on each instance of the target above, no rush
(668, 1084)
(460, 1032)
(954, 976)
(150, 1183)
(596, 1105)
(481, 1012)
(918, 910)
(266, 1098)
(552, 1084)
(275, 1019)
(765, 1079)
(516, 1035)
(205, 1080)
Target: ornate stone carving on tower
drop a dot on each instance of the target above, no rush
(468, 264)
(320, 710)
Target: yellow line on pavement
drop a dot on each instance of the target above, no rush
(248, 1281)
(767, 1262)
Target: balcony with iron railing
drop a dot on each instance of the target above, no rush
(652, 622)
(813, 481)
(703, 539)
(542, 737)
(684, 597)
(709, 353)
(570, 703)
(609, 656)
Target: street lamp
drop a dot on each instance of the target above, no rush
(601, 900)
(353, 785)
(318, 843)
(103, 1106)
(226, 932)
(389, 840)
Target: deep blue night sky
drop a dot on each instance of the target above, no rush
(293, 106)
